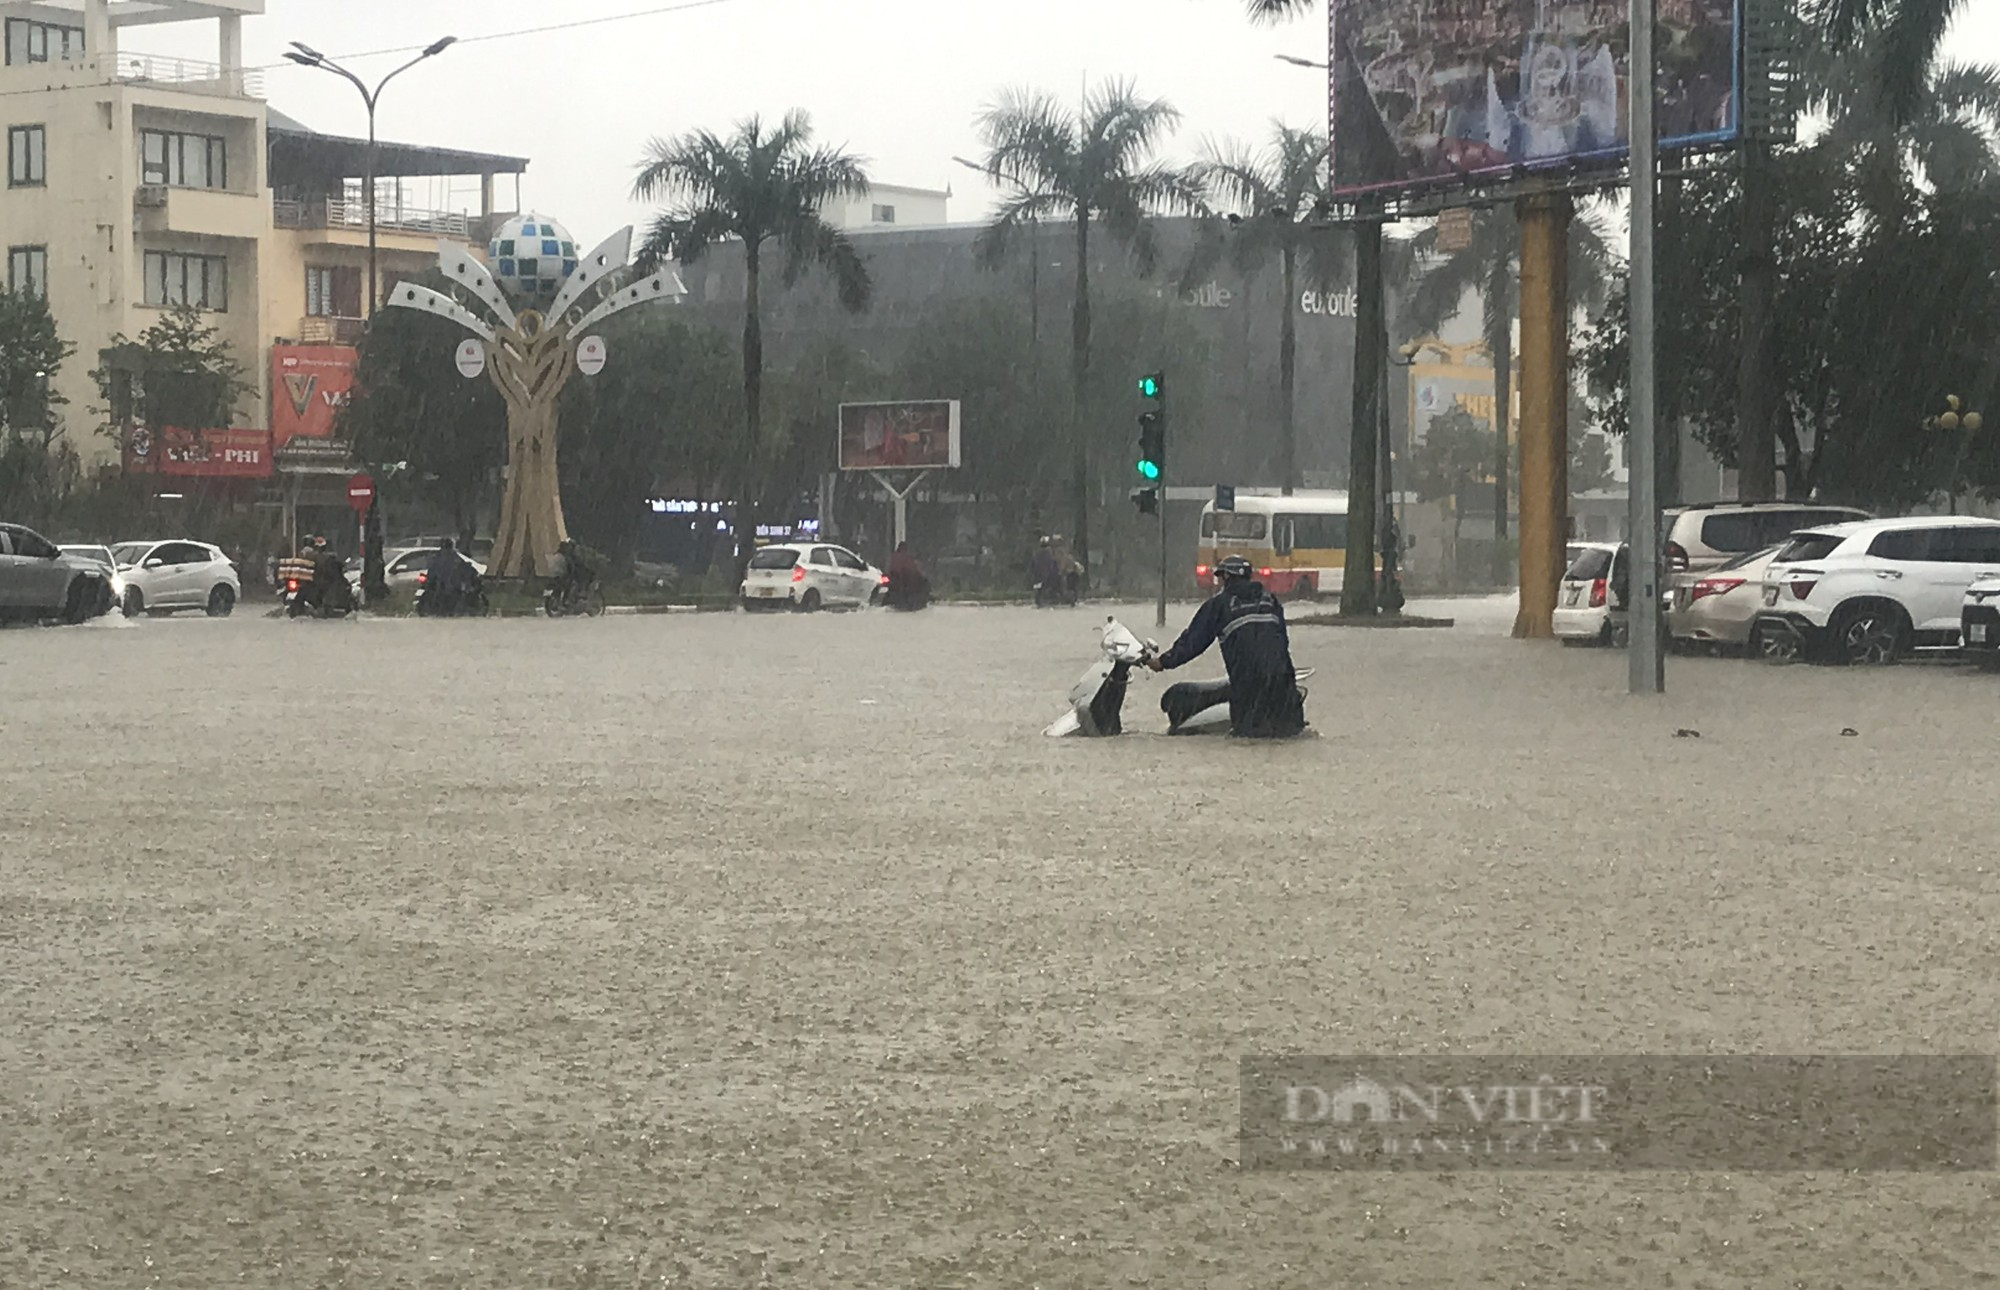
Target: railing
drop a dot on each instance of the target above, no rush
(331, 331)
(185, 74)
(335, 213)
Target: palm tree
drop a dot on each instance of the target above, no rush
(1279, 194)
(1489, 264)
(756, 186)
(1087, 167)
(1904, 36)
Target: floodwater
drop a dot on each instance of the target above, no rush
(721, 951)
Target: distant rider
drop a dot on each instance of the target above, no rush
(1264, 698)
(908, 587)
(579, 570)
(447, 580)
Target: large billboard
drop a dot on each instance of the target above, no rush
(310, 384)
(1428, 91)
(199, 454)
(899, 436)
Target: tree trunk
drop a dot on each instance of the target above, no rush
(1079, 395)
(1756, 449)
(753, 408)
(1371, 357)
(1288, 362)
(1500, 345)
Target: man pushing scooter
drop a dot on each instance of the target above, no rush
(1264, 699)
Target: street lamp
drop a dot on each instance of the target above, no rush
(306, 56)
(1392, 539)
(1954, 418)
(1296, 61)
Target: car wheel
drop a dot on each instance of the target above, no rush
(809, 602)
(1776, 644)
(76, 605)
(1867, 635)
(135, 602)
(221, 602)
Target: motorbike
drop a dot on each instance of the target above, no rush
(567, 600)
(1061, 588)
(472, 603)
(1097, 700)
(306, 594)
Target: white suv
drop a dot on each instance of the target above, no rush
(1873, 591)
(1700, 538)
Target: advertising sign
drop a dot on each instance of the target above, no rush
(200, 454)
(310, 384)
(471, 358)
(591, 355)
(1425, 91)
(899, 436)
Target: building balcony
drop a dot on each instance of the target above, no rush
(331, 331)
(185, 74)
(202, 212)
(336, 216)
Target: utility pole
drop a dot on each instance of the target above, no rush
(1152, 467)
(1645, 658)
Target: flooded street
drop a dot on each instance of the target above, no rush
(727, 951)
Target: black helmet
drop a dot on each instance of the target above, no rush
(1233, 567)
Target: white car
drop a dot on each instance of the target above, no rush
(809, 576)
(1590, 605)
(1718, 608)
(403, 567)
(1979, 623)
(1873, 592)
(101, 557)
(161, 577)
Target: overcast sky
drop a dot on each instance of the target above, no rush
(897, 81)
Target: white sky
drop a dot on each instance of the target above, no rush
(897, 81)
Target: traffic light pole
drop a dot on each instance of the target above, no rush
(1160, 618)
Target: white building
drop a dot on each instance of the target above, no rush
(135, 183)
(886, 205)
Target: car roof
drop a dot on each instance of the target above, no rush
(1850, 528)
(1707, 508)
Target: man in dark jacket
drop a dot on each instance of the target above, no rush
(1264, 698)
(447, 581)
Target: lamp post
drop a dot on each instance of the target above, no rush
(1952, 420)
(1392, 538)
(307, 56)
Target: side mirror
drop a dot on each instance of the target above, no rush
(154, 562)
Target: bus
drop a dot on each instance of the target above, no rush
(1297, 544)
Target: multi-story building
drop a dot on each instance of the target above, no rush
(136, 183)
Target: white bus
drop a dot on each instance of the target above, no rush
(1297, 544)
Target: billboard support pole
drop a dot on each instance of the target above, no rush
(902, 497)
(1645, 659)
(1544, 431)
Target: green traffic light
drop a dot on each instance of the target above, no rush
(1150, 386)
(1150, 469)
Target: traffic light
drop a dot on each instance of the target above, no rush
(1153, 384)
(1147, 500)
(1152, 445)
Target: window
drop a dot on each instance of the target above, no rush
(848, 560)
(1970, 544)
(1589, 566)
(180, 553)
(1908, 544)
(1731, 531)
(822, 557)
(32, 545)
(1230, 525)
(1317, 532)
(176, 279)
(183, 160)
(29, 41)
(28, 270)
(775, 557)
(333, 293)
(883, 214)
(1808, 546)
(27, 156)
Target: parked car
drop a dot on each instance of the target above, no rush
(101, 557)
(808, 576)
(1699, 538)
(39, 582)
(1979, 623)
(1873, 592)
(1590, 603)
(1719, 607)
(162, 577)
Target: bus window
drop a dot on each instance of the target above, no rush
(1318, 532)
(1208, 524)
(1281, 535)
(1233, 526)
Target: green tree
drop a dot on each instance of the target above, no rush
(179, 375)
(759, 186)
(38, 467)
(1455, 457)
(1279, 198)
(1091, 167)
(411, 406)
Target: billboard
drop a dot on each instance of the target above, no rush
(899, 436)
(1428, 91)
(199, 454)
(310, 384)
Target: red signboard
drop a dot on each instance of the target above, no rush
(361, 493)
(200, 454)
(310, 384)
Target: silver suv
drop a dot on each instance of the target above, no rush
(38, 582)
(1700, 538)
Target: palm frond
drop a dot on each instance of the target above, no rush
(812, 243)
(1276, 10)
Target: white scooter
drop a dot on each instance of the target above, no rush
(1097, 700)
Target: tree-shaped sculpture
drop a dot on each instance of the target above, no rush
(531, 356)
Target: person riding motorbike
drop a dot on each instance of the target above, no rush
(1264, 701)
(331, 592)
(448, 581)
(579, 570)
(908, 587)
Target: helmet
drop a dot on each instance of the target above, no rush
(1233, 567)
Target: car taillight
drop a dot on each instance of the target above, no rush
(1598, 590)
(1713, 587)
(1677, 557)
(423, 577)
(1803, 588)
(798, 573)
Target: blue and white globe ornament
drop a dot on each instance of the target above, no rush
(532, 257)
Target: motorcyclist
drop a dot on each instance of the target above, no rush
(331, 592)
(578, 569)
(908, 587)
(1264, 700)
(447, 580)
(1069, 571)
